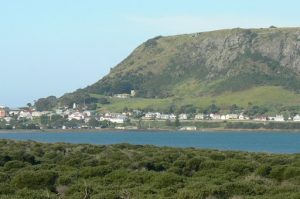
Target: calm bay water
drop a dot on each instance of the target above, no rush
(275, 142)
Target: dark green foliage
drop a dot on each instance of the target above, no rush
(256, 110)
(92, 106)
(98, 171)
(244, 125)
(121, 87)
(285, 125)
(35, 179)
(93, 122)
(135, 171)
(268, 125)
(212, 109)
(103, 100)
(4, 159)
(209, 124)
(78, 97)
(277, 172)
(166, 180)
(177, 122)
(189, 109)
(15, 164)
(45, 104)
(235, 109)
(55, 121)
(264, 170)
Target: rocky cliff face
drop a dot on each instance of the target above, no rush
(215, 61)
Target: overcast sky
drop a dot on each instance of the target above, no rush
(51, 47)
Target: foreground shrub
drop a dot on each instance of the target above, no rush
(35, 179)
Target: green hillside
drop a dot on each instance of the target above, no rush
(237, 66)
(268, 96)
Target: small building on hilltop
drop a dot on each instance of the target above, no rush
(122, 96)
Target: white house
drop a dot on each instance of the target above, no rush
(172, 117)
(199, 117)
(157, 115)
(165, 116)
(150, 116)
(87, 113)
(215, 116)
(8, 119)
(76, 116)
(260, 118)
(296, 118)
(39, 114)
(183, 116)
(279, 118)
(243, 117)
(119, 119)
(25, 114)
(127, 113)
(68, 112)
(132, 93)
(122, 96)
(232, 116)
(14, 112)
(59, 111)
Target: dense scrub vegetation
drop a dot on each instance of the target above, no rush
(35, 170)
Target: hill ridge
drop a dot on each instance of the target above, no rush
(205, 64)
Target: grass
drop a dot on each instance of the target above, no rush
(117, 105)
(271, 96)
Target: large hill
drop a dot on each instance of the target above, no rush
(236, 66)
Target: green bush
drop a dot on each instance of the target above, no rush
(98, 171)
(291, 172)
(127, 171)
(4, 159)
(277, 172)
(35, 179)
(6, 189)
(264, 170)
(15, 164)
(164, 180)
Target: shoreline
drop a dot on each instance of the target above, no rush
(206, 130)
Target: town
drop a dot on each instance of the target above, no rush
(79, 117)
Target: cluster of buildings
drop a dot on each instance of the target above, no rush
(74, 114)
(69, 114)
(212, 116)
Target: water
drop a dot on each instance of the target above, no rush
(274, 142)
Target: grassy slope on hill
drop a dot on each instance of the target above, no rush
(34, 170)
(270, 96)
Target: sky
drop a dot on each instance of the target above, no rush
(52, 47)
